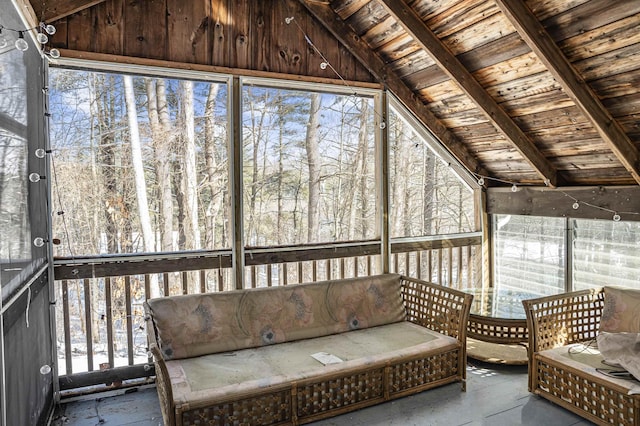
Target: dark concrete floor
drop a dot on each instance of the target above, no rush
(496, 395)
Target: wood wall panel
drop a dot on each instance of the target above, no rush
(80, 31)
(188, 31)
(110, 17)
(141, 39)
(237, 34)
(242, 37)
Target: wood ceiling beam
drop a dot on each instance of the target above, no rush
(379, 69)
(58, 9)
(541, 43)
(423, 35)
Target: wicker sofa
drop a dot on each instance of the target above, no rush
(565, 365)
(257, 356)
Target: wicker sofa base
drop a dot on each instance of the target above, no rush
(595, 398)
(313, 399)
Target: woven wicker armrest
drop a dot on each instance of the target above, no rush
(437, 308)
(563, 319)
(163, 382)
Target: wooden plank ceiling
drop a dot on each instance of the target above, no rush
(543, 92)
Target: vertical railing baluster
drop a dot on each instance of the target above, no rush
(147, 296)
(109, 319)
(165, 282)
(88, 323)
(300, 279)
(429, 266)
(342, 267)
(203, 281)
(128, 309)
(220, 275)
(67, 327)
(450, 267)
(369, 264)
(285, 278)
(439, 270)
(407, 269)
(254, 276)
(185, 282)
(314, 271)
(269, 277)
(459, 267)
(329, 271)
(356, 266)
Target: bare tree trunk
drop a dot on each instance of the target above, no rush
(364, 169)
(314, 162)
(279, 221)
(160, 131)
(428, 205)
(256, 136)
(396, 185)
(213, 174)
(138, 167)
(190, 178)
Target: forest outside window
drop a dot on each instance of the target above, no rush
(309, 167)
(140, 163)
(426, 196)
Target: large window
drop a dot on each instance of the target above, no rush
(309, 167)
(23, 207)
(426, 196)
(529, 254)
(140, 163)
(605, 253)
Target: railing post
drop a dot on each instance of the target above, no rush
(236, 179)
(382, 177)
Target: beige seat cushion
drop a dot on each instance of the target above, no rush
(211, 377)
(200, 324)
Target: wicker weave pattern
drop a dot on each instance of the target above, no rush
(421, 372)
(435, 307)
(497, 330)
(270, 409)
(595, 400)
(341, 392)
(564, 319)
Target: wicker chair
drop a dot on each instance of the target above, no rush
(555, 322)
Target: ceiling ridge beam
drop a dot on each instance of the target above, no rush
(452, 66)
(379, 69)
(541, 43)
(55, 10)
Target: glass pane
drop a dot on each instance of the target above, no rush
(23, 207)
(606, 253)
(529, 261)
(308, 165)
(141, 173)
(426, 196)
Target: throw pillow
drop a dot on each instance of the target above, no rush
(621, 312)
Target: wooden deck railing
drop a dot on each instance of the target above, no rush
(100, 319)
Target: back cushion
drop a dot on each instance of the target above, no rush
(621, 312)
(200, 324)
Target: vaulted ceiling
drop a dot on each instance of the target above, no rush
(543, 92)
